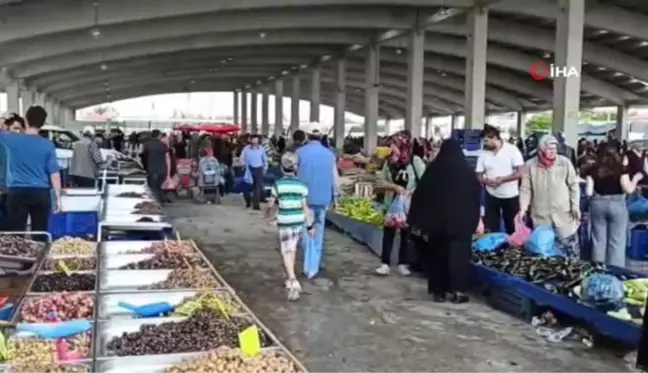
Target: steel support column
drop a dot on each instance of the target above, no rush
(49, 108)
(278, 129)
(454, 121)
(415, 79)
(387, 126)
(294, 104)
(265, 111)
(477, 42)
(622, 123)
(340, 101)
(39, 99)
(569, 54)
(521, 124)
(27, 100)
(315, 100)
(236, 116)
(245, 128)
(13, 97)
(254, 113)
(372, 71)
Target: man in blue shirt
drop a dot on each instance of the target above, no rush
(255, 160)
(34, 173)
(317, 169)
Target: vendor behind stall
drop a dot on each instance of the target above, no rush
(34, 172)
(86, 160)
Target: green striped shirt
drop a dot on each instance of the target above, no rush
(289, 193)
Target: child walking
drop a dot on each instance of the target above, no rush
(288, 197)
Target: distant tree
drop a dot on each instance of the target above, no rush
(540, 122)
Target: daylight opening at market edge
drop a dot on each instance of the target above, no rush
(541, 70)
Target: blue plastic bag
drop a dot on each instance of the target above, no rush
(602, 291)
(396, 215)
(247, 176)
(490, 242)
(637, 206)
(542, 242)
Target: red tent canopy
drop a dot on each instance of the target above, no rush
(220, 128)
(187, 127)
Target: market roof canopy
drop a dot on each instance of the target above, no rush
(83, 54)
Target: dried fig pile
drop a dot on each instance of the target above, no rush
(57, 282)
(19, 246)
(148, 208)
(49, 368)
(205, 330)
(186, 279)
(72, 246)
(73, 264)
(230, 360)
(57, 307)
(168, 260)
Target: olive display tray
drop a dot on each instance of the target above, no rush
(31, 296)
(111, 248)
(107, 330)
(85, 360)
(115, 262)
(156, 363)
(86, 363)
(127, 217)
(112, 190)
(53, 254)
(124, 203)
(125, 280)
(109, 308)
(31, 286)
(56, 258)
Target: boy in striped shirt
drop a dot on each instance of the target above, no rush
(288, 196)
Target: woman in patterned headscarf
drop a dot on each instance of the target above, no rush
(399, 176)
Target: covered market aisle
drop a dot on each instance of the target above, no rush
(351, 320)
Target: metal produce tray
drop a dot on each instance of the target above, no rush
(43, 295)
(115, 189)
(7, 367)
(156, 363)
(108, 303)
(107, 330)
(86, 360)
(123, 203)
(115, 262)
(125, 281)
(31, 285)
(111, 248)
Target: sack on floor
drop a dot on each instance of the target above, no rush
(542, 242)
(490, 242)
(521, 234)
(396, 216)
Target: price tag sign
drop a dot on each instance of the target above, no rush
(250, 342)
(63, 267)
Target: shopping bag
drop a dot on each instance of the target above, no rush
(247, 176)
(542, 242)
(171, 183)
(489, 242)
(521, 234)
(396, 216)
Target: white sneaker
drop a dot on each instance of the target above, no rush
(383, 270)
(404, 270)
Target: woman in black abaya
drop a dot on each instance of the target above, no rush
(445, 207)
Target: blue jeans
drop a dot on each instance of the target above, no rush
(313, 246)
(609, 219)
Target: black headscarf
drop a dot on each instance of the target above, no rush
(447, 197)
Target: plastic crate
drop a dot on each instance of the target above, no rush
(75, 224)
(638, 245)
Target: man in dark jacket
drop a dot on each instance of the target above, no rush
(154, 159)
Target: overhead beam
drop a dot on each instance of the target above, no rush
(328, 18)
(74, 15)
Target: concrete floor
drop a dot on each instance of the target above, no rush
(350, 320)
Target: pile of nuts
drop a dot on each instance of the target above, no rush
(203, 331)
(168, 260)
(37, 351)
(172, 246)
(56, 282)
(57, 307)
(73, 264)
(186, 279)
(19, 246)
(148, 208)
(49, 368)
(69, 246)
(230, 360)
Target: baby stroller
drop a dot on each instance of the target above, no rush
(209, 179)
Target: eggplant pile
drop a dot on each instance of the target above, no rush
(556, 274)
